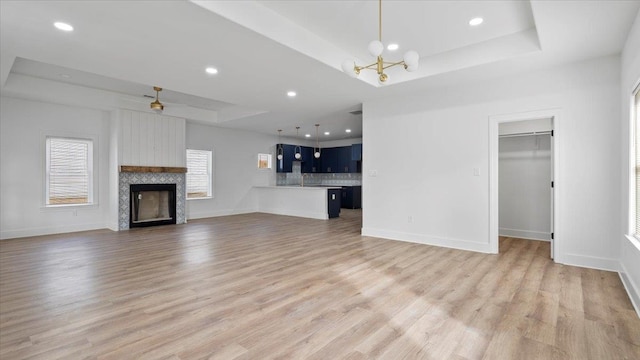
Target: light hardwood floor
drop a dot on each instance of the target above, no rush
(262, 286)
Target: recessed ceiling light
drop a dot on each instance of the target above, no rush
(392, 47)
(291, 94)
(348, 130)
(476, 21)
(211, 70)
(63, 26)
(307, 135)
(326, 133)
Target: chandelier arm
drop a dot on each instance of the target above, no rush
(369, 67)
(393, 64)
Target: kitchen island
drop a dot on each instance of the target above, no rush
(314, 202)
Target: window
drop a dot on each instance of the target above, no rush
(199, 174)
(264, 161)
(69, 171)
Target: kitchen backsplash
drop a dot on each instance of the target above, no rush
(295, 178)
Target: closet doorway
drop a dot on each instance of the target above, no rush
(525, 179)
(529, 207)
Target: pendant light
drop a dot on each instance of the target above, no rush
(298, 149)
(279, 150)
(316, 150)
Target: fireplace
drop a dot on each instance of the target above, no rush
(149, 176)
(152, 204)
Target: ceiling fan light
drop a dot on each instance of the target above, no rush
(157, 106)
(411, 58)
(375, 48)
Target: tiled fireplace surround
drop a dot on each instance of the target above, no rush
(128, 178)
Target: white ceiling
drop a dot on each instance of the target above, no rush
(263, 49)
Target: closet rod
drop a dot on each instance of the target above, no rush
(526, 134)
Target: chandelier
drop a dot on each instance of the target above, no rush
(410, 60)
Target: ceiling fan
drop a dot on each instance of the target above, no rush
(156, 105)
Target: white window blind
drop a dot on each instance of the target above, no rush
(69, 171)
(199, 174)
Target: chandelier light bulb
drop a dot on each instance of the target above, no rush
(348, 66)
(375, 48)
(411, 58)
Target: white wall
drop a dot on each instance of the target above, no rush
(235, 162)
(423, 151)
(629, 247)
(524, 187)
(149, 139)
(24, 125)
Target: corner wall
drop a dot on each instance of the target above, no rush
(423, 154)
(629, 247)
(235, 163)
(24, 125)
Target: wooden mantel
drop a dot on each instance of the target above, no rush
(152, 169)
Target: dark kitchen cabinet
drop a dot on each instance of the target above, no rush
(334, 201)
(307, 160)
(356, 152)
(329, 160)
(344, 160)
(286, 164)
(332, 160)
(351, 197)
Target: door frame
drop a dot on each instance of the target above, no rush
(494, 122)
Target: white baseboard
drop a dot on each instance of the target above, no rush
(217, 213)
(287, 212)
(428, 240)
(633, 290)
(591, 262)
(525, 234)
(113, 226)
(50, 230)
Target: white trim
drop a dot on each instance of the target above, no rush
(218, 213)
(633, 290)
(525, 234)
(199, 198)
(50, 230)
(427, 240)
(287, 212)
(591, 262)
(494, 122)
(631, 211)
